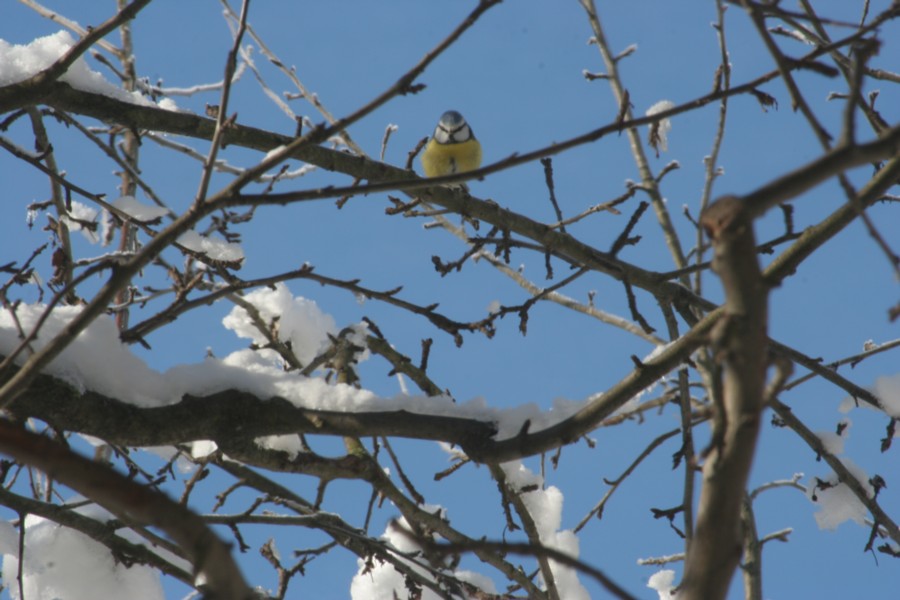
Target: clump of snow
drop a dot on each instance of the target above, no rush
(202, 449)
(661, 128)
(143, 213)
(9, 538)
(833, 443)
(63, 563)
(384, 582)
(664, 584)
(300, 322)
(214, 248)
(168, 104)
(78, 217)
(838, 503)
(887, 390)
(96, 361)
(139, 211)
(274, 151)
(835, 500)
(289, 444)
(19, 62)
(545, 504)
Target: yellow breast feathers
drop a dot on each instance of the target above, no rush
(453, 147)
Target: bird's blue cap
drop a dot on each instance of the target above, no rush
(452, 119)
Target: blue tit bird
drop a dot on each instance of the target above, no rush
(452, 148)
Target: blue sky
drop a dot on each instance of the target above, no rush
(517, 77)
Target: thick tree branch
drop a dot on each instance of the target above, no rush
(223, 416)
(832, 163)
(741, 343)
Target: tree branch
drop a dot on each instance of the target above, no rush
(224, 415)
(741, 343)
(120, 495)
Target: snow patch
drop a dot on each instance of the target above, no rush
(20, 62)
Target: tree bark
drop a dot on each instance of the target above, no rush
(740, 344)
